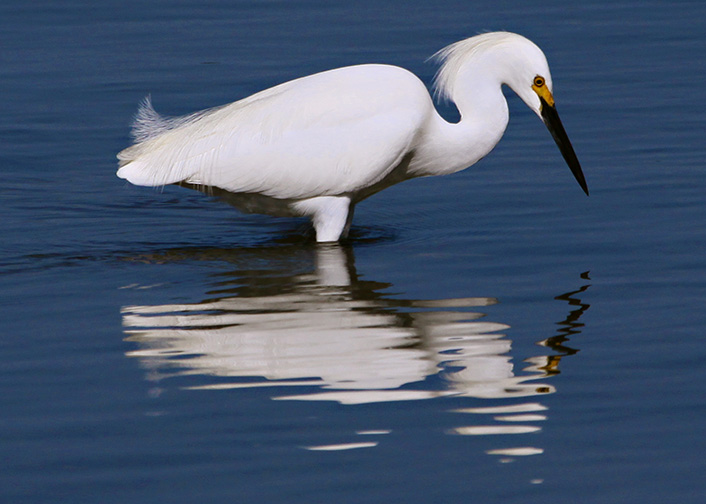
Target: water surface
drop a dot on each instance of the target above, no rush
(492, 336)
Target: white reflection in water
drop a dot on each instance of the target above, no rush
(332, 330)
(342, 446)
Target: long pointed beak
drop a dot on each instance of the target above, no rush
(553, 123)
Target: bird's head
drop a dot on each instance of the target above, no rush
(505, 58)
(527, 73)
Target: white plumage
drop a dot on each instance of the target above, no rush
(317, 145)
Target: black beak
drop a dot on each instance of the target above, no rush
(553, 123)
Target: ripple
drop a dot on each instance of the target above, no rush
(484, 430)
(342, 446)
(516, 452)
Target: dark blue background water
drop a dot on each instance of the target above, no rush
(145, 333)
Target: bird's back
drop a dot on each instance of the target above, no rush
(331, 133)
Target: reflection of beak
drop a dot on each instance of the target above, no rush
(553, 123)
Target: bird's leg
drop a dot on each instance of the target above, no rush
(329, 215)
(349, 221)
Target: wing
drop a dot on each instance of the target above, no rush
(330, 133)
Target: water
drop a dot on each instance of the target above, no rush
(493, 336)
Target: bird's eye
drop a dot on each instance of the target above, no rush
(539, 81)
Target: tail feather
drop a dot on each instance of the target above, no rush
(148, 123)
(148, 162)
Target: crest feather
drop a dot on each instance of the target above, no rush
(453, 57)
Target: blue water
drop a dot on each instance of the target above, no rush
(492, 336)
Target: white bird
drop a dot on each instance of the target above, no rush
(318, 145)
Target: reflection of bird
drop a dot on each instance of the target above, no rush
(329, 328)
(325, 324)
(318, 145)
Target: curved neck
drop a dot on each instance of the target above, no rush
(450, 147)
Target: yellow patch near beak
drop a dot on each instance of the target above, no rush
(544, 93)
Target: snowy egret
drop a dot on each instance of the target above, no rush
(318, 145)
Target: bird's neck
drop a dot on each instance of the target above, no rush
(451, 147)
